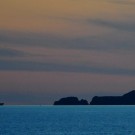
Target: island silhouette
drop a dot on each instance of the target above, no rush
(71, 101)
(126, 99)
(1, 103)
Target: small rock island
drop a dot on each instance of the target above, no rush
(1, 103)
(126, 99)
(71, 101)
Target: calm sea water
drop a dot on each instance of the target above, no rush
(67, 120)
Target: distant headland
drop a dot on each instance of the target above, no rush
(1, 103)
(126, 99)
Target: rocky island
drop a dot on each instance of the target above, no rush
(126, 99)
(1, 103)
(71, 101)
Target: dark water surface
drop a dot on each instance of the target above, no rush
(67, 120)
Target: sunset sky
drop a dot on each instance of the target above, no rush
(57, 48)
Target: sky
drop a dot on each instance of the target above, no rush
(51, 49)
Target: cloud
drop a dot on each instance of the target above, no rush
(6, 65)
(124, 26)
(8, 52)
(122, 2)
(105, 42)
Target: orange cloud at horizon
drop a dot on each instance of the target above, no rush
(58, 17)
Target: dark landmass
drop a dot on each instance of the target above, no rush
(126, 99)
(1, 103)
(71, 101)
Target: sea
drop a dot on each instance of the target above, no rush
(67, 120)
